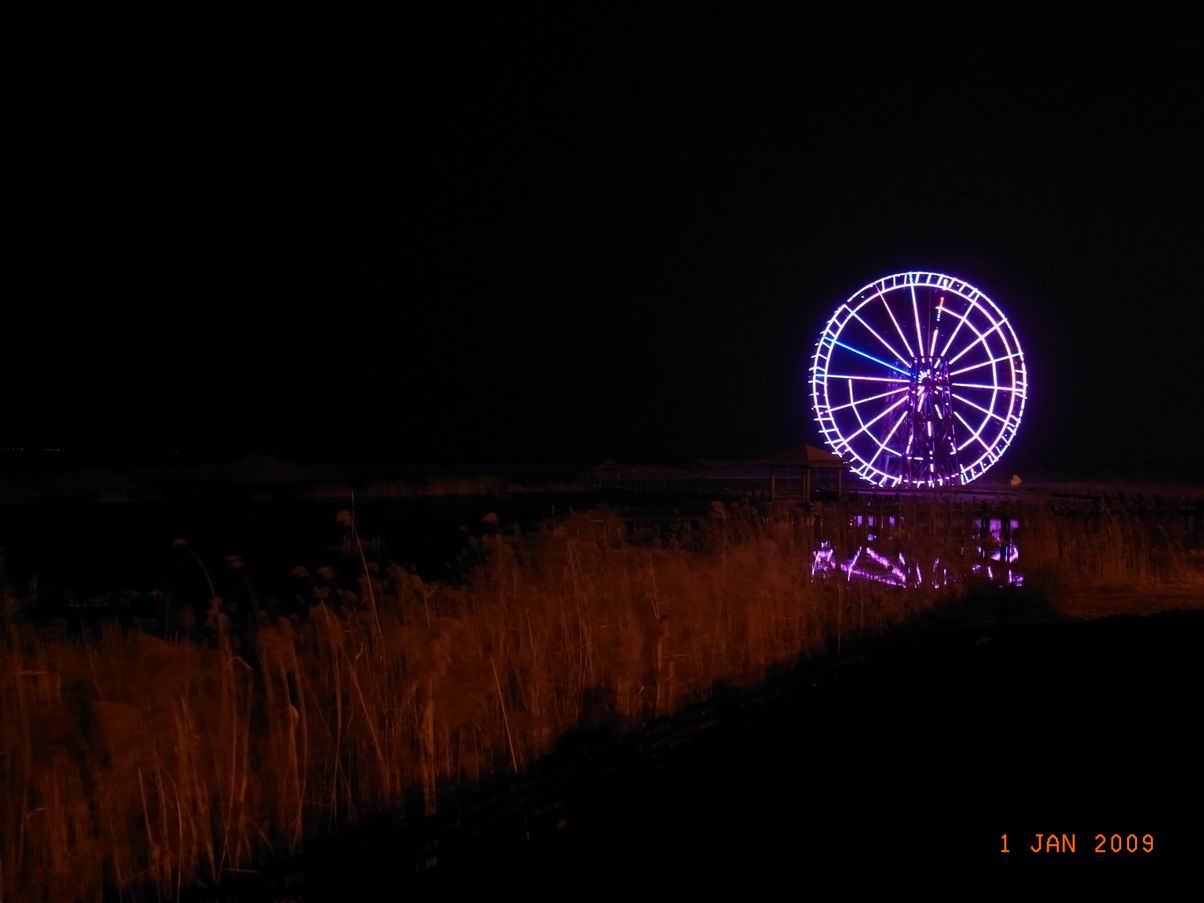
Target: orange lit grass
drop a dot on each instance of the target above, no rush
(150, 766)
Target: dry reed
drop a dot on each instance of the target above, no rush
(134, 764)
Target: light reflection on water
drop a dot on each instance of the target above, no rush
(987, 549)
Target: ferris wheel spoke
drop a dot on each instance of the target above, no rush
(882, 446)
(865, 426)
(872, 379)
(885, 343)
(916, 310)
(898, 328)
(982, 386)
(974, 434)
(961, 321)
(849, 404)
(979, 337)
(987, 411)
(982, 338)
(940, 309)
(868, 356)
(994, 360)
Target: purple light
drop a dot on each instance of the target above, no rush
(849, 404)
(891, 314)
(873, 379)
(876, 360)
(936, 424)
(872, 332)
(916, 310)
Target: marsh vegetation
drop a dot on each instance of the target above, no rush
(143, 764)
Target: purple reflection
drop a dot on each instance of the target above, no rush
(873, 560)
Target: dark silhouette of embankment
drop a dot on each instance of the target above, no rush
(914, 750)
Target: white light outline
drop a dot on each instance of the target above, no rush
(882, 446)
(878, 290)
(891, 314)
(872, 379)
(979, 407)
(973, 433)
(849, 404)
(866, 425)
(865, 354)
(888, 346)
(981, 386)
(982, 337)
(979, 337)
(916, 311)
(994, 360)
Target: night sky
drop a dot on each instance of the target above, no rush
(545, 236)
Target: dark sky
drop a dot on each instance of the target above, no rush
(554, 236)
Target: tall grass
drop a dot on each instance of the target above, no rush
(132, 763)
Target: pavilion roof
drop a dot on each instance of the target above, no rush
(803, 456)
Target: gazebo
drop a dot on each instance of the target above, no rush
(806, 458)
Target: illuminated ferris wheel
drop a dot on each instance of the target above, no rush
(918, 380)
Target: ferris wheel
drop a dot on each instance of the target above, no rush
(918, 380)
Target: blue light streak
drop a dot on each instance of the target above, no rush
(876, 360)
